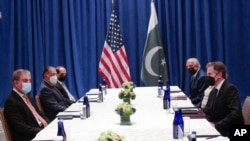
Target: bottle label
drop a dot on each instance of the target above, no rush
(83, 112)
(177, 132)
(166, 104)
(100, 97)
(61, 131)
(160, 92)
(87, 112)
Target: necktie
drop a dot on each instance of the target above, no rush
(192, 79)
(34, 112)
(69, 94)
(213, 94)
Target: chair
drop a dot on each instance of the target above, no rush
(5, 125)
(246, 111)
(39, 103)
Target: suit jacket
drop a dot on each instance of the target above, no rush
(64, 93)
(225, 108)
(197, 88)
(52, 100)
(22, 123)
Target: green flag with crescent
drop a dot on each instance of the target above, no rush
(154, 62)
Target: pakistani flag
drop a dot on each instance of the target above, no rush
(154, 62)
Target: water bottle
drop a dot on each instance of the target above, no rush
(178, 125)
(61, 131)
(193, 136)
(83, 112)
(181, 120)
(168, 86)
(160, 78)
(166, 99)
(100, 94)
(86, 103)
(105, 86)
(160, 86)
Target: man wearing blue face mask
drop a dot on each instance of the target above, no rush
(223, 108)
(22, 114)
(51, 98)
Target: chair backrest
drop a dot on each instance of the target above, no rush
(39, 104)
(246, 110)
(5, 125)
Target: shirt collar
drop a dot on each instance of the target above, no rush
(20, 94)
(220, 84)
(196, 72)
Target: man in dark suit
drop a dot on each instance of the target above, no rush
(61, 86)
(197, 84)
(22, 115)
(51, 98)
(223, 108)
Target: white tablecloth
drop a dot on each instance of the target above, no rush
(150, 122)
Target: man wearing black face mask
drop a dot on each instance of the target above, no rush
(197, 83)
(223, 107)
(61, 76)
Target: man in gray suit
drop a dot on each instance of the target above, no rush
(51, 98)
(197, 84)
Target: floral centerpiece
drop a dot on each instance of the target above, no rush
(127, 92)
(125, 110)
(110, 136)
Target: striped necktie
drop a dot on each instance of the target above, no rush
(34, 112)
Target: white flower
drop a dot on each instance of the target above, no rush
(110, 136)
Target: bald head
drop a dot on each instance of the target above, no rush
(61, 73)
(192, 62)
(193, 65)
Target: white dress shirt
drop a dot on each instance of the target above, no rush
(71, 97)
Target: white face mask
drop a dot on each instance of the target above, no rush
(26, 87)
(53, 79)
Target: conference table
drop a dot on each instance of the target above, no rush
(150, 122)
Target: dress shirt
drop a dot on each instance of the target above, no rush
(40, 120)
(206, 95)
(71, 97)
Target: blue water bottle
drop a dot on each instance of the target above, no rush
(160, 78)
(86, 103)
(160, 86)
(100, 94)
(168, 86)
(105, 86)
(181, 120)
(178, 125)
(61, 131)
(193, 136)
(166, 99)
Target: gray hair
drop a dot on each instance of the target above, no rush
(195, 61)
(17, 73)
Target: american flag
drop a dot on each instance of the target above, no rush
(113, 65)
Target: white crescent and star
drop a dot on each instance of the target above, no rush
(148, 59)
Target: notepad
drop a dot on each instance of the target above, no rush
(189, 110)
(92, 95)
(179, 97)
(175, 89)
(68, 114)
